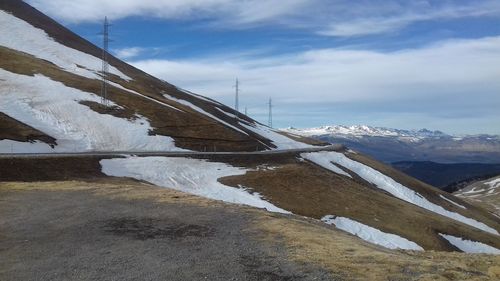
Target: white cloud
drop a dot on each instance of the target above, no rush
(379, 21)
(454, 77)
(224, 11)
(341, 18)
(335, 75)
(128, 53)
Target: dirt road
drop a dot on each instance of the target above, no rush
(81, 231)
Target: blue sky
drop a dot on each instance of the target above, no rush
(404, 64)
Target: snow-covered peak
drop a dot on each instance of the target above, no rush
(364, 130)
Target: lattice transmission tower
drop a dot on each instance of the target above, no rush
(270, 117)
(237, 95)
(105, 63)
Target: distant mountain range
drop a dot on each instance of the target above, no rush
(394, 145)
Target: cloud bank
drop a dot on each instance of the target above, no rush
(450, 80)
(339, 18)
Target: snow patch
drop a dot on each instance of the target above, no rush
(321, 159)
(21, 36)
(494, 183)
(280, 141)
(469, 246)
(10, 146)
(196, 108)
(195, 176)
(396, 189)
(227, 113)
(54, 109)
(452, 202)
(144, 96)
(370, 234)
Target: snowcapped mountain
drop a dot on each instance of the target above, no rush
(50, 84)
(358, 131)
(392, 145)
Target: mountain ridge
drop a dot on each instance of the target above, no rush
(395, 145)
(365, 130)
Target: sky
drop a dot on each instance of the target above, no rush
(403, 64)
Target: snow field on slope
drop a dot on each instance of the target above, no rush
(54, 109)
(388, 184)
(10, 146)
(452, 202)
(469, 246)
(280, 141)
(494, 183)
(21, 36)
(195, 176)
(324, 162)
(194, 107)
(370, 234)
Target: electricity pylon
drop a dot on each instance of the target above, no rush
(105, 64)
(237, 93)
(270, 117)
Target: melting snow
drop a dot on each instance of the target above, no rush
(10, 146)
(321, 159)
(372, 235)
(54, 109)
(469, 246)
(227, 113)
(144, 96)
(494, 183)
(396, 189)
(280, 141)
(195, 176)
(21, 36)
(452, 202)
(186, 103)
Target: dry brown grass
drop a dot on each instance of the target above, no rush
(350, 258)
(305, 240)
(112, 188)
(431, 193)
(308, 190)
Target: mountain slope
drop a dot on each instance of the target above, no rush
(447, 176)
(336, 186)
(485, 193)
(49, 85)
(50, 81)
(394, 145)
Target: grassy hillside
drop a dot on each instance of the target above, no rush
(485, 193)
(303, 188)
(192, 121)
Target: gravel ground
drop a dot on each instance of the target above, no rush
(76, 234)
